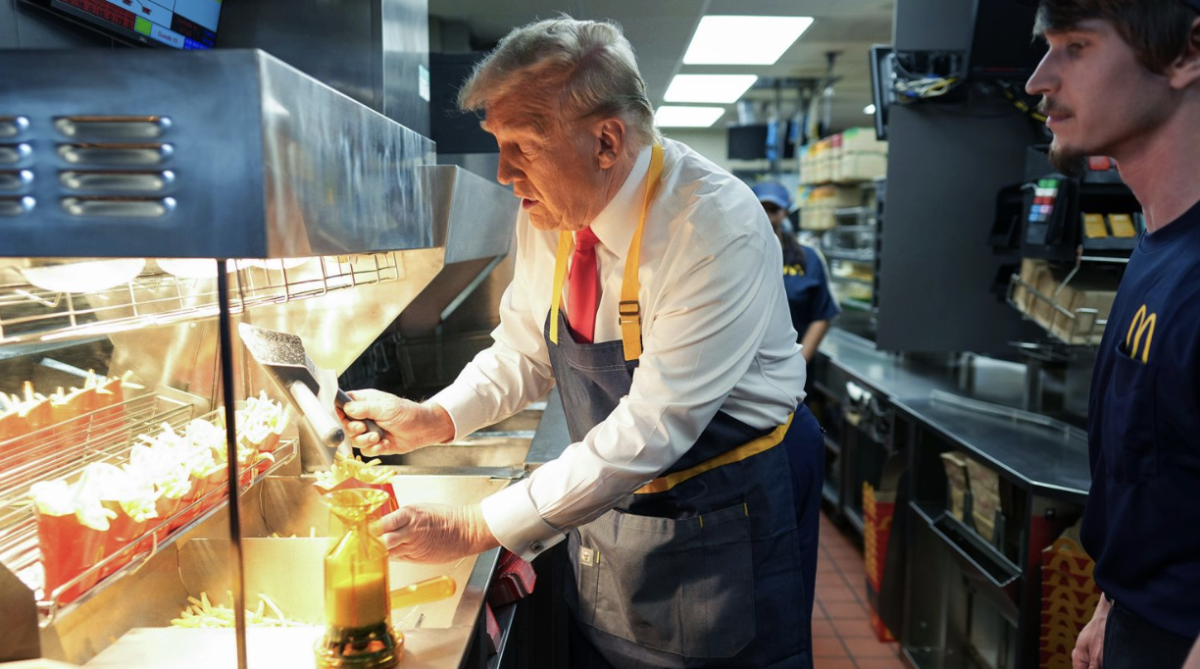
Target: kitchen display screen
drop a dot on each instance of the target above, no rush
(182, 24)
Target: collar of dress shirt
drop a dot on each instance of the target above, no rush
(615, 225)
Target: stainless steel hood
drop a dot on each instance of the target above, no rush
(222, 154)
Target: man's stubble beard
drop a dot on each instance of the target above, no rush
(1070, 162)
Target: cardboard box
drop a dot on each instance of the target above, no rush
(862, 140)
(1031, 271)
(956, 476)
(1081, 297)
(862, 166)
(1068, 599)
(984, 483)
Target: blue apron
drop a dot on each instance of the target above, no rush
(703, 567)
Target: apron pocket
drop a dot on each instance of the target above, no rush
(679, 586)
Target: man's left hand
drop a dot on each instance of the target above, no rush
(433, 533)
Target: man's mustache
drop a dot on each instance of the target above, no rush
(1051, 107)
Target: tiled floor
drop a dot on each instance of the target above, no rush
(842, 637)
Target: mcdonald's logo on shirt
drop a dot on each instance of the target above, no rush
(1141, 334)
(793, 270)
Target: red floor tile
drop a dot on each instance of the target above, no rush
(842, 636)
(846, 610)
(867, 649)
(822, 627)
(833, 593)
(828, 646)
(854, 628)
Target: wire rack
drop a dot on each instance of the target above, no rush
(156, 297)
(62, 451)
(1082, 325)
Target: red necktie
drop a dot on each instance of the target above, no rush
(583, 287)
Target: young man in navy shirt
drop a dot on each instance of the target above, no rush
(1122, 79)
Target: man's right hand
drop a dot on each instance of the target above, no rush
(1089, 647)
(407, 425)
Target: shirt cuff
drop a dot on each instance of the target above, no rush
(515, 522)
(462, 403)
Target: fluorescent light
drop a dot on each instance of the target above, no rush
(744, 40)
(723, 88)
(869, 109)
(687, 117)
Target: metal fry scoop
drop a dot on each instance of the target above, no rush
(283, 356)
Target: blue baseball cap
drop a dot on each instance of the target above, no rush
(773, 192)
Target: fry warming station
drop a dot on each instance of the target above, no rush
(139, 225)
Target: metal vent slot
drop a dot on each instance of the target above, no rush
(15, 180)
(138, 182)
(11, 154)
(113, 127)
(11, 126)
(15, 206)
(116, 155)
(118, 207)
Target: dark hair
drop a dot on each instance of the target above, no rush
(1157, 30)
(793, 251)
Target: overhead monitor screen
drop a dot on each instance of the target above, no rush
(181, 24)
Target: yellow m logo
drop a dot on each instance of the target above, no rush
(1142, 324)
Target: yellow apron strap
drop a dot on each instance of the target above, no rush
(629, 311)
(763, 443)
(565, 244)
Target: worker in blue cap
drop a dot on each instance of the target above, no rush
(805, 274)
(1121, 78)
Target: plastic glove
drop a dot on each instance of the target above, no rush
(435, 533)
(419, 424)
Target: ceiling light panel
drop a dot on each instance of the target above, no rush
(687, 117)
(720, 88)
(744, 40)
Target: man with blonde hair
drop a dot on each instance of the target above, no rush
(675, 360)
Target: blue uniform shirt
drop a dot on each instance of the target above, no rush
(807, 285)
(1142, 522)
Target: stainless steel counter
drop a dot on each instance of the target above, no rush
(269, 648)
(904, 379)
(284, 561)
(1041, 454)
(1050, 460)
(552, 436)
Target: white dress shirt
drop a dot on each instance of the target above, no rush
(716, 335)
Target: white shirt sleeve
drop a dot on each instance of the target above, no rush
(514, 371)
(707, 329)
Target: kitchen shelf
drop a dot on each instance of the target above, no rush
(63, 450)
(196, 513)
(29, 313)
(857, 305)
(931, 658)
(855, 519)
(849, 256)
(1086, 326)
(852, 280)
(967, 545)
(830, 493)
(852, 211)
